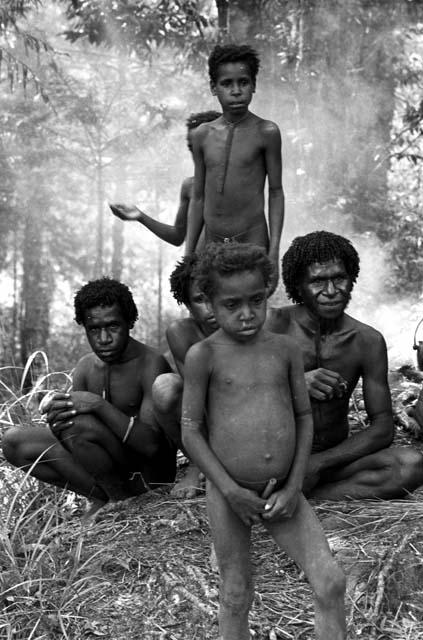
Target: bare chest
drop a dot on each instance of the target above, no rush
(121, 385)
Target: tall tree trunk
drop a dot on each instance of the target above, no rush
(37, 290)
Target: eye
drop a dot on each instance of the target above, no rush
(258, 300)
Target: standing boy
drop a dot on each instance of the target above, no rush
(255, 448)
(172, 233)
(233, 155)
(181, 335)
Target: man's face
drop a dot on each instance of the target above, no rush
(239, 304)
(326, 289)
(200, 310)
(107, 332)
(234, 87)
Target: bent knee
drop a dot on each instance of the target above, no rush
(12, 443)
(167, 392)
(331, 584)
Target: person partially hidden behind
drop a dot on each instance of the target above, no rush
(319, 271)
(254, 447)
(103, 441)
(233, 157)
(172, 233)
(181, 335)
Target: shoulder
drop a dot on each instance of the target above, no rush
(268, 129)
(150, 359)
(86, 363)
(199, 355)
(182, 329)
(281, 341)
(200, 132)
(367, 334)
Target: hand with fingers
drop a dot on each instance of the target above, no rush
(324, 384)
(281, 504)
(247, 505)
(125, 212)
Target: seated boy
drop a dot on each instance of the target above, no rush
(181, 335)
(255, 448)
(172, 233)
(233, 155)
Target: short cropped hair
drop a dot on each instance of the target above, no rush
(318, 246)
(105, 292)
(226, 260)
(222, 54)
(181, 278)
(195, 119)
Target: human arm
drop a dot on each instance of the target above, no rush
(180, 339)
(247, 504)
(276, 201)
(377, 402)
(173, 234)
(143, 436)
(196, 207)
(282, 503)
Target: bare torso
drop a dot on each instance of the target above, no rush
(122, 384)
(235, 173)
(340, 351)
(250, 417)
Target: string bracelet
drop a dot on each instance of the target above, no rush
(129, 429)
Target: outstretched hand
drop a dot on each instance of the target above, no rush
(323, 384)
(125, 212)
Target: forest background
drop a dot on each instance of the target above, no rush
(93, 101)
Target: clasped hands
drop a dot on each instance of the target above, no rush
(61, 408)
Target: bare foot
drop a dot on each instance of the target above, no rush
(190, 485)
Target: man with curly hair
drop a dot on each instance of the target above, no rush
(181, 335)
(172, 233)
(233, 156)
(103, 442)
(319, 271)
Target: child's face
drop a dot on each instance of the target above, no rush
(200, 310)
(234, 87)
(239, 304)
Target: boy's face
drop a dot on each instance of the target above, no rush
(326, 289)
(107, 332)
(234, 87)
(239, 304)
(200, 310)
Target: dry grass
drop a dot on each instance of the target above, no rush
(143, 570)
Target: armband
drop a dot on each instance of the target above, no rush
(188, 423)
(129, 429)
(300, 414)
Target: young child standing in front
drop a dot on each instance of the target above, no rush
(255, 447)
(233, 155)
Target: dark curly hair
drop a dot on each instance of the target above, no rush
(228, 259)
(105, 292)
(195, 119)
(181, 278)
(222, 54)
(318, 246)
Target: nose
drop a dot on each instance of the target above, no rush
(246, 313)
(330, 289)
(105, 336)
(236, 89)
